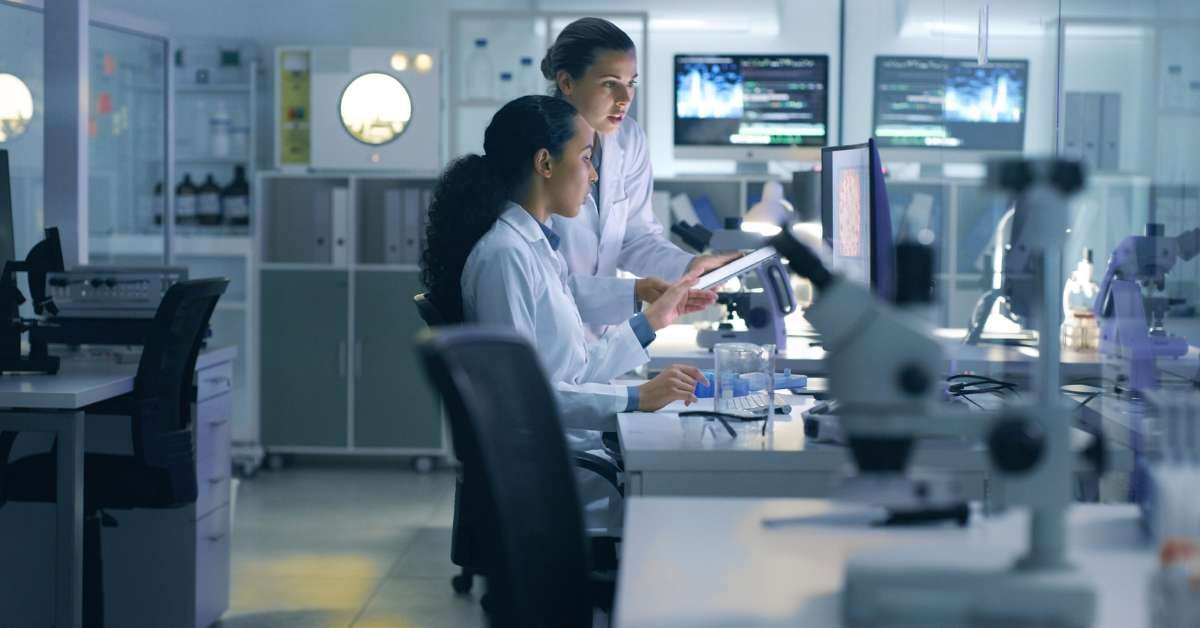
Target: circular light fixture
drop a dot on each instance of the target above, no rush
(399, 62)
(375, 108)
(424, 63)
(16, 107)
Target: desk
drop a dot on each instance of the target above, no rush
(43, 403)
(677, 345)
(710, 562)
(666, 454)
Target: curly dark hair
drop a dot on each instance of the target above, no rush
(576, 47)
(472, 192)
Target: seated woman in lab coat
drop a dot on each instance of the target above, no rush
(491, 257)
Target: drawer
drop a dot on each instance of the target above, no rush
(212, 567)
(214, 381)
(212, 484)
(214, 428)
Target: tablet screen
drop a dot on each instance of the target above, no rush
(745, 263)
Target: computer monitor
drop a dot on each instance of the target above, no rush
(937, 102)
(856, 218)
(751, 107)
(7, 237)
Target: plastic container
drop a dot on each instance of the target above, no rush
(740, 369)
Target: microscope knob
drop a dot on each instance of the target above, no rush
(1067, 176)
(913, 380)
(757, 318)
(1015, 444)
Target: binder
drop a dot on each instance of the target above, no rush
(339, 214)
(423, 215)
(411, 251)
(393, 227)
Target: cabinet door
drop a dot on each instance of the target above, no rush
(394, 406)
(305, 357)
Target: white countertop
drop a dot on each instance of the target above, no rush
(84, 380)
(708, 562)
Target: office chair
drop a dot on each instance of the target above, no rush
(505, 422)
(161, 472)
(465, 547)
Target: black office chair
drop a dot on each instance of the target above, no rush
(465, 545)
(505, 422)
(161, 473)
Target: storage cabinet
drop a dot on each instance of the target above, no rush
(393, 403)
(305, 354)
(162, 567)
(338, 273)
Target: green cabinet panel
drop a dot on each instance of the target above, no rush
(394, 405)
(305, 355)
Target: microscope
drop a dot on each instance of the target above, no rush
(761, 310)
(45, 257)
(1128, 340)
(886, 373)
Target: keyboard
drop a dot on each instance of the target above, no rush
(754, 405)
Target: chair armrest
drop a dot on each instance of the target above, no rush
(601, 466)
(602, 590)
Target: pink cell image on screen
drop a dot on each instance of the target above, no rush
(849, 204)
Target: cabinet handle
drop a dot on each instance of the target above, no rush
(341, 358)
(358, 352)
(224, 381)
(218, 422)
(217, 480)
(215, 537)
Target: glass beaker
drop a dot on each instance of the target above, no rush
(744, 378)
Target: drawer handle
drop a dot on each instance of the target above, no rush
(224, 381)
(215, 537)
(216, 480)
(218, 422)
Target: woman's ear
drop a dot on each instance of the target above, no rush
(565, 83)
(542, 164)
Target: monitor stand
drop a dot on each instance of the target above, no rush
(752, 167)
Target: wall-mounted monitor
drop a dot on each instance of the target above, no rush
(751, 107)
(938, 102)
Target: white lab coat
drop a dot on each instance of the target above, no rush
(514, 278)
(622, 235)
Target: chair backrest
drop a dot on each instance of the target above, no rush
(163, 390)
(428, 311)
(505, 420)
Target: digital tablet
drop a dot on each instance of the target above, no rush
(743, 264)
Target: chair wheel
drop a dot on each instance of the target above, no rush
(462, 583)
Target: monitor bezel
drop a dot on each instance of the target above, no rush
(766, 152)
(901, 152)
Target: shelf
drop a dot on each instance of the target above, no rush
(185, 244)
(481, 102)
(411, 268)
(244, 161)
(301, 266)
(214, 88)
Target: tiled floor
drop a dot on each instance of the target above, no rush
(333, 548)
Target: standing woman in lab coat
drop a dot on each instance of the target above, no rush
(593, 65)
(492, 257)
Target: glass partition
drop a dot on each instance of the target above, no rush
(22, 117)
(127, 146)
